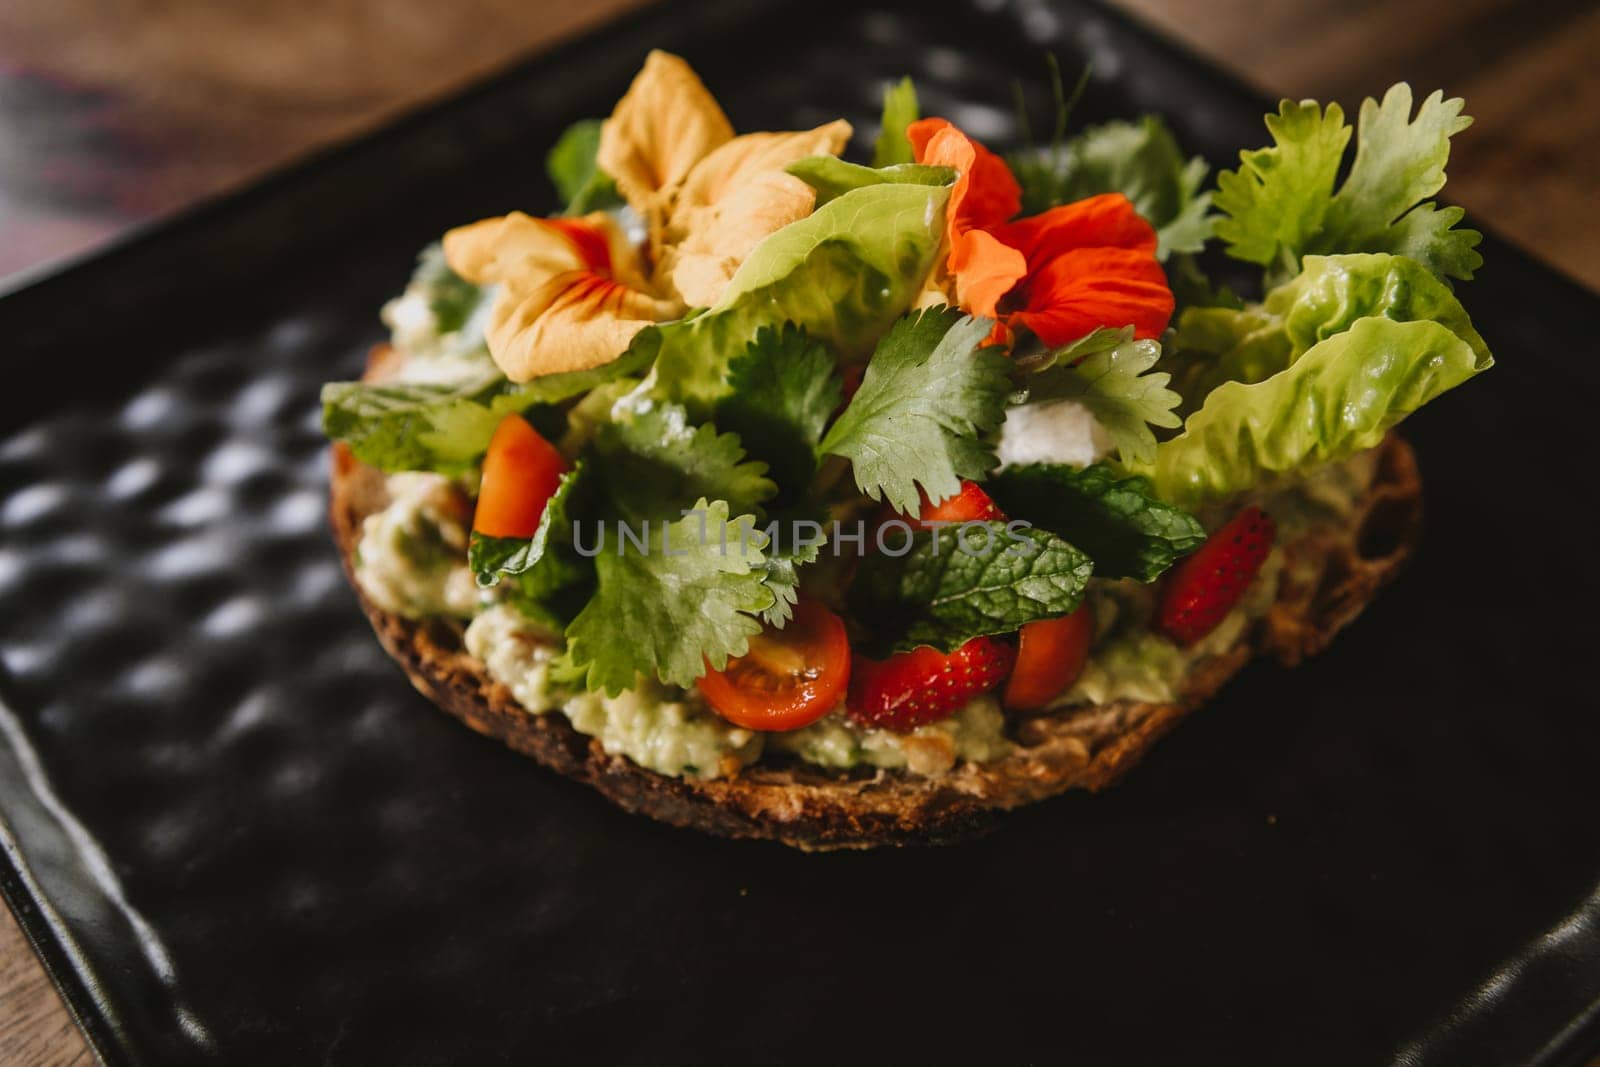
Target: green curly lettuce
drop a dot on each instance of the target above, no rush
(1337, 399)
(1281, 203)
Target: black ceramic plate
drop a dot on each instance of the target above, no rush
(234, 832)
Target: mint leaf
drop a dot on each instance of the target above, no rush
(783, 388)
(961, 582)
(692, 596)
(656, 463)
(1109, 373)
(547, 576)
(578, 179)
(1281, 203)
(928, 397)
(1117, 521)
(1142, 161)
(900, 110)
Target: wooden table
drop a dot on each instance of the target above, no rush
(115, 111)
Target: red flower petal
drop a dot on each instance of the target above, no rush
(1080, 290)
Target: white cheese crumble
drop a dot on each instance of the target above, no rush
(412, 557)
(1057, 431)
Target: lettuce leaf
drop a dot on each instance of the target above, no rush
(844, 274)
(929, 395)
(832, 177)
(1281, 204)
(961, 582)
(573, 166)
(1142, 161)
(1109, 373)
(692, 596)
(1337, 399)
(445, 427)
(1216, 345)
(1119, 522)
(900, 110)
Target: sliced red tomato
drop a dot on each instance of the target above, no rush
(970, 504)
(789, 678)
(1050, 656)
(520, 475)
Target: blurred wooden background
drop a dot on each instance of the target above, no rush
(117, 111)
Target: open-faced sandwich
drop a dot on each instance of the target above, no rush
(842, 504)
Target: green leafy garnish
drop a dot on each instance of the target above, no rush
(1337, 399)
(451, 298)
(1280, 204)
(927, 399)
(843, 273)
(1216, 345)
(1109, 373)
(899, 111)
(548, 578)
(1117, 521)
(783, 389)
(1142, 161)
(657, 463)
(445, 427)
(573, 167)
(832, 177)
(693, 596)
(961, 582)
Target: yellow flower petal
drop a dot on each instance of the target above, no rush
(666, 123)
(721, 237)
(572, 291)
(574, 321)
(741, 159)
(733, 200)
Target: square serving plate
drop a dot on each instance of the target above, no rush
(235, 834)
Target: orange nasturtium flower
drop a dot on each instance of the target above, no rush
(1061, 273)
(574, 292)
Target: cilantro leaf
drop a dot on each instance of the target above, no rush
(783, 578)
(927, 399)
(1142, 161)
(548, 577)
(1281, 204)
(900, 110)
(783, 390)
(573, 167)
(445, 427)
(1117, 521)
(957, 583)
(656, 463)
(692, 596)
(1109, 373)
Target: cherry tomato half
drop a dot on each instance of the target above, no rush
(789, 678)
(1050, 656)
(520, 474)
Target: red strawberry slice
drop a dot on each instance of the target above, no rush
(1202, 589)
(911, 689)
(970, 504)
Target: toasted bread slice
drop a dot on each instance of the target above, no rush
(812, 808)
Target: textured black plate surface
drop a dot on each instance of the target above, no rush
(235, 833)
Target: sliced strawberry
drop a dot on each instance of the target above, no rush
(911, 689)
(1202, 589)
(970, 504)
